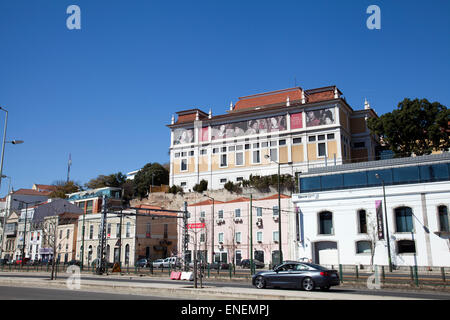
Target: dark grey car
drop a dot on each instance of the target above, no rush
(300, 275)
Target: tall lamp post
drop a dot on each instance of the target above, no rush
(25, 227)
(212, 228)
(4, 218)
(279, 207)
(387, 226)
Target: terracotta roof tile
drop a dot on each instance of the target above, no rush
(275, 196)
(205, 203)
(31, 192)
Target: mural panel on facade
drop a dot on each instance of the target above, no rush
(244, 128)
(182, 136)
(320, 117)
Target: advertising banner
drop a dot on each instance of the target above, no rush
(296, 120)
(380, 226)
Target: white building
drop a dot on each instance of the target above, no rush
(342, 216)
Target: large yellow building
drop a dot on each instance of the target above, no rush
(296, 128)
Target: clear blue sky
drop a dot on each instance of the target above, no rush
(105, 93)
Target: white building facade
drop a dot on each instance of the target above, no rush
(342, 216)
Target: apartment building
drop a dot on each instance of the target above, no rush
(90, 201)
(136, 233)
(232, 231)
(296, 128)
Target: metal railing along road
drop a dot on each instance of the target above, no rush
(409, 275)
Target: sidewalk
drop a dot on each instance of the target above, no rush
(185, 290)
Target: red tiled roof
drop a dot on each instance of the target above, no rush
(267, 98)
(205, 203)
(148, 206)
(275, 196)
(241, 199)
(31, 192)
(45, 187)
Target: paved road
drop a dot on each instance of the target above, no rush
(341, 289)
(21, 293)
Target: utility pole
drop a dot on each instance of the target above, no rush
(101, 262)
(68, 167)
(185, 235)
(251, 234)
(82, 240)
(120, 238)
(212, 229)
(387, 223)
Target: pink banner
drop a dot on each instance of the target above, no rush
(296, 121)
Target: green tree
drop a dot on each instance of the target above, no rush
(150, 172)
(113, 180)
(200, 187)
(63, 188)
(416, 126)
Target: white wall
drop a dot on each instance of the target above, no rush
(344, 205)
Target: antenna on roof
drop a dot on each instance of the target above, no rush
(68, 167)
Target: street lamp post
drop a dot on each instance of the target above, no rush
(279, 209)
(4, 218)
(1, 164)
(387, 224)
(212, 229)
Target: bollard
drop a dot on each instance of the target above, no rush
(230, 268)
(383, 275)
(357, 273)
(341, 275)
(209, 267)
(443, 274)
(411, 273)
(416, 276)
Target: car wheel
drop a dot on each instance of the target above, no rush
(260, 283)
(326, 288)
(308, 284)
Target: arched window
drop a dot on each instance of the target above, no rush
(443, 219)
(90, 253)
(404, 219)
(91, 232)
(326, 222)
(127, 254)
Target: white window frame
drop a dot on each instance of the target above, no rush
(253, 157)
(238, 237)
(326, 149)
(220, 237)
(243, 158)
(273, 236)
(181, 165)
(226, 160)
(259, 236)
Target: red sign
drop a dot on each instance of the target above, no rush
(195, 225)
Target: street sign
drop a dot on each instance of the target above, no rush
(195, 225)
